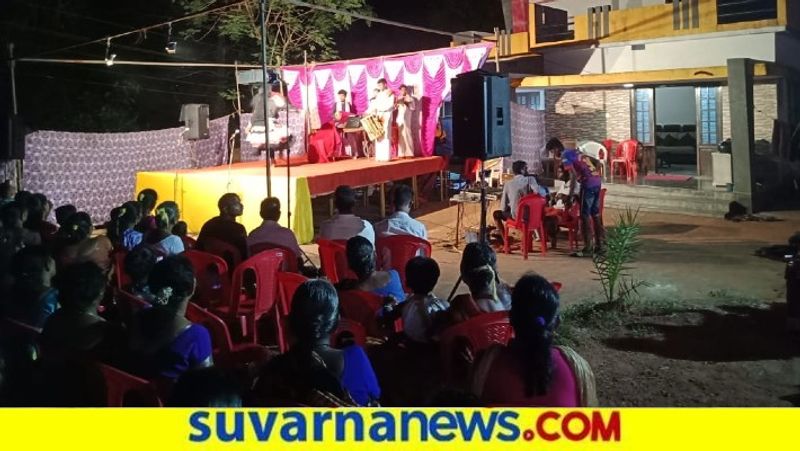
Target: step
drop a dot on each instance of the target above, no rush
(669, 200)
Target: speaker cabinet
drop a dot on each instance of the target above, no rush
(481, 115)
(195, 118)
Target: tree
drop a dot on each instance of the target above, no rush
(291, 29)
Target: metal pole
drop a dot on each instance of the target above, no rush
(484, 207)
(288, 167)
(12, 67)
(308, 109)
(497, 37)
(12, 64)
(264, 105)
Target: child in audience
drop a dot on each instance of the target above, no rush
(422, 310)
(33, 297)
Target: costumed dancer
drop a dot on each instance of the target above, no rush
(406, 105)
(383, 107)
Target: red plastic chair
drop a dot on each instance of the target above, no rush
(571, 221)
(288, 282)
(400, 249)
(226, 353)
(611, 146)
(127, 390)
(478, 332)
(533, 205)
(123, 280)
(333, 260)
(248, 310)
(213, 280)
(228, 252)
(290, 264)
(626, 159)
(352, 328)
(189, 243)
(363, 307)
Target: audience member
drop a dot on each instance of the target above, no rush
(479, 254)
(312, 372)
(515, 189)
(165, 343)
(38, 211)
(76, 330)
(344, 224)
(33, 298)
(361, 260)
(63, 212)
(478, 263)
(530, 371)
(482, 283)
(400, 222)
(422, 310)
(270, 232)
(121, 230)
(14, 216)
(75, 244)
(139, 264)
(181, 229)
(147, 198)
(161, 238)
(205, 387)
(224, 227)
(7, 192)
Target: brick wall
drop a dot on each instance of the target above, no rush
(765, 102)
(588, 114)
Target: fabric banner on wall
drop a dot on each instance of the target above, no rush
(427, 73)
(528, 137)
(96, 171)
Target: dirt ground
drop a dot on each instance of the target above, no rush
(707, 331)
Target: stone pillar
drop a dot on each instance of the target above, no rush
(740, 94)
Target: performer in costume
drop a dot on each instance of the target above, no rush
(383, 107)
(406, 105)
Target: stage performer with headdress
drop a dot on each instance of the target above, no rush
(406, 105)
(383, 108)
(256, 130)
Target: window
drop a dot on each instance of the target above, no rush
(533, 99)
(643, 115)
(708, 115)
(733, 11)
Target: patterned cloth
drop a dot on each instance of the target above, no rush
(528, 137)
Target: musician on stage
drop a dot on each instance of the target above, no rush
(383, 107)
(351, 139)
(342, 105)
(406, 105)
(256, 130)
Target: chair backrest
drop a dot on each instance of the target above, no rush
(264, 266)
(611, 147)
(220, 335)
(289, 264)
(479, 332)
(122, 277)
(401, 249)
(189, 243)
(213, 280)
(123, 389)
(362, 307)
(129, 305)
(346, 328)
(288, 282)
(531, 210)
(333, 259)
(594, 150)
(232, 255)
(628, 150)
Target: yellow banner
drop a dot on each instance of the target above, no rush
(399, 429)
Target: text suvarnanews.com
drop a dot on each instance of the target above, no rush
(380, 426)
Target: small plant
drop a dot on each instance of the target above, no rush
(613, 266)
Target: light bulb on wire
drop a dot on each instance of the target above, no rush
(172, 45)
(109, 56)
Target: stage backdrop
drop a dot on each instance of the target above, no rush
(427, 72)
(527, 137)
(96, 171)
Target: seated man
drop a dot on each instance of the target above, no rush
(273, 233)
(344, 224)
(515, 189)
(224, 227)
(400, 222)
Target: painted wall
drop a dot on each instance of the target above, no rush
(709, 51)
(575, 7)
(676, 105)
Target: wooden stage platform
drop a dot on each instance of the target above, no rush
(197, 190)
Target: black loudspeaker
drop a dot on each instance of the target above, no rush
(195, 117)
(481, 115)
(12, 138)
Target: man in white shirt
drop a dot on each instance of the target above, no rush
(383, 107)
(273, 233)
(344, 224)
(400, 222)
(515, 189)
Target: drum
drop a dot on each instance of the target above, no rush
(373, 127)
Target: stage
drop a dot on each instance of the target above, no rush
(197, 190)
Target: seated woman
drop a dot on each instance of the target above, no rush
(139, 264)
(474, 262)
(165, 343)
(361, 260)
(482, 283)
(312, 372)
(121, 230)
(530, 371)
(39, 209)
(161, 238)
(147, 200)
(33, 298)
(75, 244)
(76, 330)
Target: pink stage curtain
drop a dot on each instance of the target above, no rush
(358, 92)
(326, 99)
(431, 101)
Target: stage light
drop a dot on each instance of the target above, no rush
(172, 45)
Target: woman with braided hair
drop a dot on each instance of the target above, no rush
(161, 238)
(121, 230)
(165, 343)
(530, 371)
(74, 243)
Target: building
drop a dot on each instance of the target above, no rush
(681, 76)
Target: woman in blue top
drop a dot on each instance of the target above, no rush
(163, 340)
(121, 230)
(361, 260)
(161, 238)
(312, 372)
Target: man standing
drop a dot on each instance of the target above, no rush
(406, 105)
(344, 224)
(383, 107)
(224, 227)
(590, 183)
(400, 222)
(515, 189)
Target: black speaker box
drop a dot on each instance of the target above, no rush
(481, 115)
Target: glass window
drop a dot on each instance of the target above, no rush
(643, 113)
(533, 99)
(709, 126)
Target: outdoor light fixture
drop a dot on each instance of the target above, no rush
(628, 85)
(109, 56)
(172, 45)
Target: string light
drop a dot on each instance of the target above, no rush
(109, 56)
(172, 46)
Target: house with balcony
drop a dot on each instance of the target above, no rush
(679, 76)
